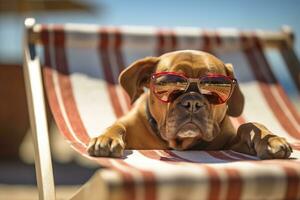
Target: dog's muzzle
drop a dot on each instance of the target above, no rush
(192, 102)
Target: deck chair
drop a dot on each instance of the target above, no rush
(77, 67)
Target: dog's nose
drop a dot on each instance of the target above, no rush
(192, 103)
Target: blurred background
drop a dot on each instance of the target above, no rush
(70, 170)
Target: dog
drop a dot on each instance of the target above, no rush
(183, 100)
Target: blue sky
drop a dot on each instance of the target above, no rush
(264, 14)
(244, 14)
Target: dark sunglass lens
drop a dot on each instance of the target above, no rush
(216, 89)
(214, 99)
(167, 87)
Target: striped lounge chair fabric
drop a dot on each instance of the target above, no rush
(80, 67)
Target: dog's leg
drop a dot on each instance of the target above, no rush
(110, 143)
(256, 139)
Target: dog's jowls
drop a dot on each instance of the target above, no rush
(188, 122)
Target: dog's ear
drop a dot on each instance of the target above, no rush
(237, 100)
(137, 76)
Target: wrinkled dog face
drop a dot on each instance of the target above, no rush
(190, 117)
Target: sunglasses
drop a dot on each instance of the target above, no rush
(167, 86)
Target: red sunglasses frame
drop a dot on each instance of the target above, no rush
(197, 80)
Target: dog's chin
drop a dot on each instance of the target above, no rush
(186, 137)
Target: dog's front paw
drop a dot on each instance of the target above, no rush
(106, 146)
(274, 147)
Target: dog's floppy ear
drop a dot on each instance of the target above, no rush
(135, 77)
(237, 100)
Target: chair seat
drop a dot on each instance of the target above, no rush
(158, 174)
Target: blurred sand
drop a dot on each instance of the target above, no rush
(21, 192)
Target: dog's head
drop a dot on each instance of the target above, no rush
(190, 116)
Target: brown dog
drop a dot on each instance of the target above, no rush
(191, 119)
